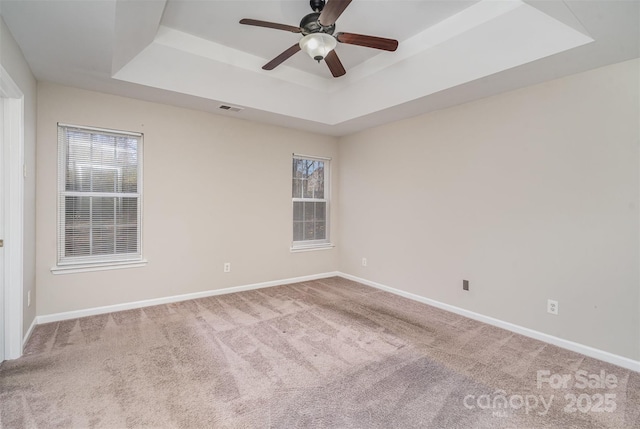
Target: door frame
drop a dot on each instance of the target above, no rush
(13, 170)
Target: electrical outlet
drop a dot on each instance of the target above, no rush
(29, 298)
(465, 284)
(364, 262)
(552, 307)
(227, 267)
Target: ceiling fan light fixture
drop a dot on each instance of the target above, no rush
(318, 45)
(318, 39)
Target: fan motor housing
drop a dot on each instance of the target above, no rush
(311, 24)
(317, 5)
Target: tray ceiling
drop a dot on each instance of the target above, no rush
(195, 53)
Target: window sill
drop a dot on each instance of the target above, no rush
(84, 268)
(312, 247)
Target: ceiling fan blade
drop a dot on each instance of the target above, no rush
(368, 41)
(332, 11)
(281, 58)
(334, 64)
(274, 25)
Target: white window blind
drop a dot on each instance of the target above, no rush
(310, 201)
(99, 195)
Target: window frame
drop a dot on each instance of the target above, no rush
(66, 264)
(325, 243)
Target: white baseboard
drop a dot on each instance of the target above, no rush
(602, 355)
(56, 317)
(29, 331)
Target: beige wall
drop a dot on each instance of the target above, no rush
(216, 189)
(530, 195)
(16, 66)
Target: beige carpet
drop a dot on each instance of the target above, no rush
(324, 354)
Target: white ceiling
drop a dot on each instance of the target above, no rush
(195, 53)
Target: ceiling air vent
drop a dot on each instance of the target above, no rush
(230, 108)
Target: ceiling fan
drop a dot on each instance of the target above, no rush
(318, 38)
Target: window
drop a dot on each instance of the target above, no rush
(99, 197)
(310, 192)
